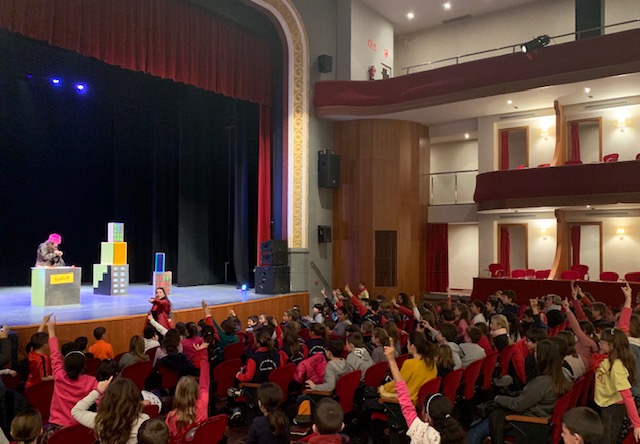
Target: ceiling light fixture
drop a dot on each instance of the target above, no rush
(447, 6)
(410, 15)
(466, 135)
(587, 90)
(538, 42)
(509, 102)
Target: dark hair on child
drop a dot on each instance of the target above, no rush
(484, 328)
(353, 328)
(510, 294)
(38, 340)
(588, 328)
(563, 345)
(330, 324)
(270, 396)
(149, 332)
(439, 409)
(621, 350)
(474, 334)
(449, 332)
(570, 338)
(585, 422)
(328, 416)
(99, 332)
(356, 339)
(228, 326)
(336, 347)
(26, 426)
(367, 327)
(290, 337)
(381, 335)
(182, 328)
(82, 342)
(318, 330)
(74, 360)
(192, 329)
(423, 347)
(634, 326)
(480, 305)
(208, 334)
(344, 310)
(374, 305)
(153, 431)
(254, 318)
(549, 362)
(107, 369)
(447, 314)
(599, 307)
(536, 334)
(494, 302)
(393, 332)
(319, 307)
(171, 341)
(263, 339)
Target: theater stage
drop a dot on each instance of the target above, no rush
(124, 316)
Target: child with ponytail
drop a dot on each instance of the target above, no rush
(26, 427)
(273, 427)
(438, 425)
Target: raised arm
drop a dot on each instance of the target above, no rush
(81, 412)
(625, 314)
(581, 336)
(202, 404)
(57, 366)
(43, 324)
(159, 327)
(408, 409)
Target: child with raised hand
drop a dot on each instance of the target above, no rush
(273, 427)
(119, 414)
(191, 400)
(26, 427)
(39, 362)
(438, 425)
(70, 385)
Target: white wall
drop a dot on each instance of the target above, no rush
(618, 11)
(454, 156)
(463, 255)
(371, 41)
(507, 27)
(620, 255)
(590, 249)
(542, 245)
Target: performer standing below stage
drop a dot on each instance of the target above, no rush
(161, 309)
(48, 253)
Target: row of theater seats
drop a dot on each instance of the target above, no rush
(577, 272)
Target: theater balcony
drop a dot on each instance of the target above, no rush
(568, 185)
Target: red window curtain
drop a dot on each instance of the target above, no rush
(171, 39)
(505, 250)
(264, 178)
(575, 244)
(504, 150)
(575, 141)
(437, 257)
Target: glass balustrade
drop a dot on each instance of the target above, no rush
(455, 187)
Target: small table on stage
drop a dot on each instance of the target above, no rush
(55, 285)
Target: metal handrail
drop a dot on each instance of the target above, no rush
(515, 46)
(320, 276)
(454, 172)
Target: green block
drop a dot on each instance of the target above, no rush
(98, 272)
(37, 287)
(107, 253)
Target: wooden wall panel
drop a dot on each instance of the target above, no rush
(120, 329)
(379, 190)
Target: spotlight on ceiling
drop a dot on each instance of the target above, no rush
(56, 81)
(538, 42)
(81, 87)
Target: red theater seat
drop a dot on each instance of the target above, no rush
(496, 270)
(632, 277)
(543, 274)
(570, 275)
(609, 276)
(518, 274)
(613, 157)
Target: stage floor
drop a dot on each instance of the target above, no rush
(16, 309)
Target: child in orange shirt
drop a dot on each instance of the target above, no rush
(101, 349)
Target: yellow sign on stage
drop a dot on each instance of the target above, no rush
(64, 278)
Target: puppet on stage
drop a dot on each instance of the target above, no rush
(48, 253)
(161, 309)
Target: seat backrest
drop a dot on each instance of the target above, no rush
(582, 269)
(346, 389)
(138, 372)
(224, 375)
(282, 376)
(570, 275)
(170, 376)
(505, 358)
(488, 365)
(76, 434)
(91, 365)
(496, 270)
(233, 351)
(450, 384)
(632, 277)
(544, 165)
(210, 430)
(153, 410)
(469, 379)
(543, 274)
(519, 273)
(530, 272)
(39, 397)
(576, 391)
(429, 388)
(587, 389)
(558, 412)
(374, 374)
(610, 276)
(613, 157)
(400, 359)
(638, 156)
(304, 333)
(573, 162)
(152, 353)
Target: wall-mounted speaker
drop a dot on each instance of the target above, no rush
(328, 170)
(325, 63)
(324, 234)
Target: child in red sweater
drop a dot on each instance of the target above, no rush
(39, 362)
(191, 400)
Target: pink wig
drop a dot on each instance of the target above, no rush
(55, 238)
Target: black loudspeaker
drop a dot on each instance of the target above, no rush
(274, 246)
(272, 280)
(324, 234)
(325, 63)
(276, 258)
(328, 170)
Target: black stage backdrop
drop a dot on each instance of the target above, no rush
(176, 164)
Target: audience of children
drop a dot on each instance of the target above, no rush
(366, 332)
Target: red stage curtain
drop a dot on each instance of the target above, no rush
(575, 244)
(264, 178)
(504, 150)
(172, 39)
(505, 250)
(437, 257)
(575, 141)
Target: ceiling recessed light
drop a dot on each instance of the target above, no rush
(509, 102)
(447, 6)
(466, 135)
(587, 90)
(410, 15)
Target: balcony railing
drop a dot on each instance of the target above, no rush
(494, 52)
(451, 188)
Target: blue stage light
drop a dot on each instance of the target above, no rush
(56, 81)
(81, 87)
(244, 287)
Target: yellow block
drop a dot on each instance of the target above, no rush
(119, 253)
(64, 278)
